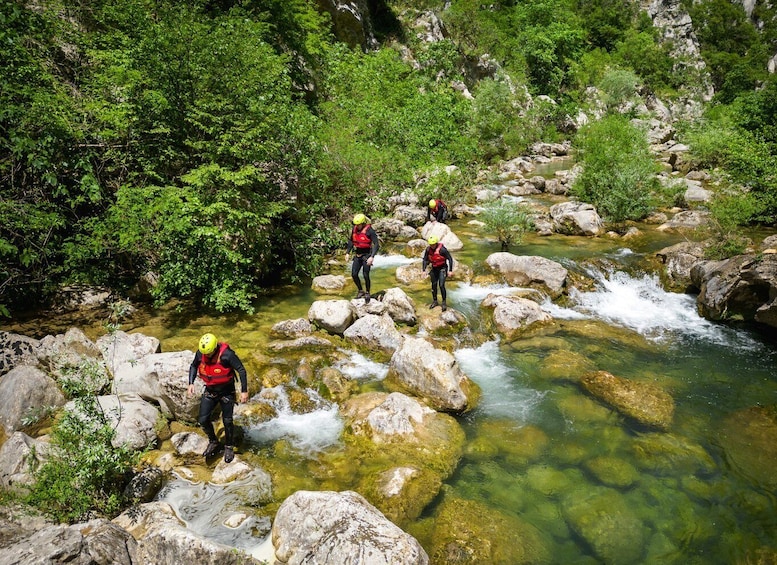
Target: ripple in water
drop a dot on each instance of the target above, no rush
(502, 395)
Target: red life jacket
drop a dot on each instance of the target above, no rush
(435, 257)
(437, 205)
(360, 238)
(212, 371)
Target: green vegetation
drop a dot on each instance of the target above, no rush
(222, 146)
(619, 172)
(83, 474)
(507, 220)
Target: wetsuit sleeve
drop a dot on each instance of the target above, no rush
(425, 259)
(447, 254)
(193, 367)
(373, 242)
(428, 213)
(349, 245)
(229, 357)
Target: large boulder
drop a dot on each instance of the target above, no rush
(749, 440)
(331, 528)
(119, 347)
(162, 379)
(299, 327)
(444, 234)
(530, 271)
(393, 229)
(678, 261)
(329, 284)
(412, 215)
(576, 218)
(399, 306)
(374, 332)
(16, 458)
(23, 391)
(334, 316)
(134, 420)
(643, 402)
(743, 287)
(97, 542)
(421, 369)
(513, 315)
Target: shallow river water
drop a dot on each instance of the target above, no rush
(539, 451)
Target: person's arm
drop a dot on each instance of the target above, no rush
(428, 213)
(447, 254)
(425, 259)
(230, 358)
(373, 242)
(193, 372)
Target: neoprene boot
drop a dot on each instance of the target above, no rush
(444, 306)
(229, 454)
(434, 304)
(212, 449)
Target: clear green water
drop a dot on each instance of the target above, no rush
(538, 449)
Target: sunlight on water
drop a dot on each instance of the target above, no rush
(642, 305)
(307, 433)
(205, 507)
(501, 395)
(359, 368)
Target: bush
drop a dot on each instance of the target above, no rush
(508, 220)
(619, 173)
(84, 474)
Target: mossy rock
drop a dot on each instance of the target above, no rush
(668, 454)
(468, 532)
(612, 471)
(565, 365)
(749, 438)
(518, 445)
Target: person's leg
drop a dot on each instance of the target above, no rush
(366, 271)
(207, 405)
(435, 277)
(443, 275)
(355, 266)
(227, 411)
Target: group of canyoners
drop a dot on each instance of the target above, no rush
(219, 366)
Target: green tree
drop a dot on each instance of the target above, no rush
(509, 221)
(619, 172)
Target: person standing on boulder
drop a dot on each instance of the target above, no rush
(437, 211)
(218, 366)
(364, 243)
(441, 261)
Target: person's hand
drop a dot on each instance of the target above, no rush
(450, 273)
(370, 260)
(243, 397)
(190, 391)
(347, 256)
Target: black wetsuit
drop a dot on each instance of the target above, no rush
(438, 274)
(223, 394)
(361, 254)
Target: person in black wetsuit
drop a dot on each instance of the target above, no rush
(437, 211)
(217, 365)
(364, 243)
(441, 261)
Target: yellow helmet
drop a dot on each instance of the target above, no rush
(433, 239)
(359, 219)
(432, 203)
(208, 344)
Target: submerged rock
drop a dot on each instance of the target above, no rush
(643, 402)
(749, 438)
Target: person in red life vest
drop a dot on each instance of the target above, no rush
(217, 365)
(441, 261)
(437, 211)
(364, 243)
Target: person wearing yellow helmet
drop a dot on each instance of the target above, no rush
(364, 243)
(441, 261)
(437, 211)
(218, 366)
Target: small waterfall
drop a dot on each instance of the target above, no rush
(308, 433)
(503, 396)
(641, 304)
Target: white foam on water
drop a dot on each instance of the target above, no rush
(641, 304)
(358, 367)
(466, 297)
(502, 395)
(307, 433)
(391, 261)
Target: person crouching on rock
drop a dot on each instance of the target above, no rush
(442, 266)
(217, 365)
(364, 244)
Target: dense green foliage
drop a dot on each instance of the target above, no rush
(618, 169)
(220, 146)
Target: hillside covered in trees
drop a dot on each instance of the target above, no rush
(222, 145)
